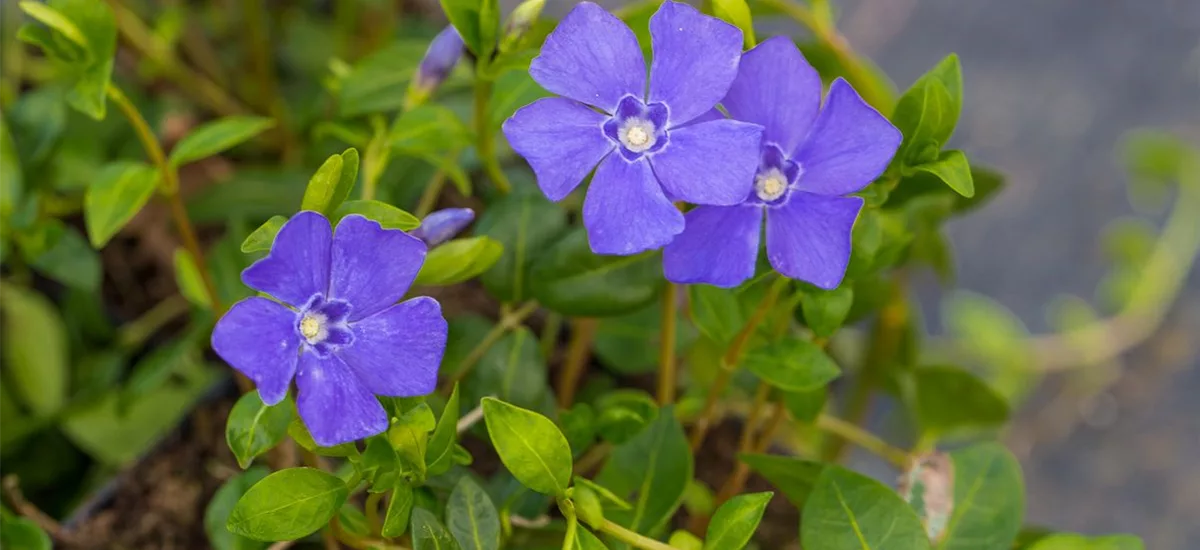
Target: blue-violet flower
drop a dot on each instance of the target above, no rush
(811, 157)
(651, 147)
(336, 327)
(440, 58)
(442, 225)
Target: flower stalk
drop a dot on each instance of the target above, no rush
(486, 137)
(667, 364)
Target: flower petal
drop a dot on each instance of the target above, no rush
(335, 405)
(719, 246)
(591, 57)
(710, 163)
(625, 211)
(397, 351)
(298, 265)
(372, 266)
(562, 140)
(695, 60)
(849, 145)
(809, 237)
(258, 338)
(777, 88)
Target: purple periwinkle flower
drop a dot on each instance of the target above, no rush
(442, 225)
(811, 157)
(336, 326)
(654, 144)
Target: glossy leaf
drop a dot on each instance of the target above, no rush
(459, 260)
(472, 518)
(734, 523)
(849, 511)
(989, 499)
(35, 349)
(90, 26)
(399, 511)
(655, 467)
(736, 12)
(792, 365)
(624, 413)
(439, 456)
(263, 237)
(573, 281)
(826, 310)
(953, 169)
(429, 534)
(949, 398)
(288, 504)
(216, 137)
(928, 112)
(59, 252)
(409, 439)
(716, 312)
(525, 224)
(530, 446)
(387, 215)
(254, 427)
(331, 184)
(794, 477)
(222, 503)
(119, 192)
(23, 533)
(468, 17)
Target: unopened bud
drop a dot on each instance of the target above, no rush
(519, 23)
(441, 57)
(441, 226)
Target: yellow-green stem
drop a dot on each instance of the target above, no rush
(134, 334)
(850, 432)
(371, 509)
(583, 332)
(485, 136)
(631, 538)
(666, 349)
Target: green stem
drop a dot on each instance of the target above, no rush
(583, 332)
(371, 509)
(506, 323)
(429, 197)
(631, 538)
(551, 328)
(568, 510)
(486, 143)
(848, 431)
(134, 334)
(666, 349)
(376, 158)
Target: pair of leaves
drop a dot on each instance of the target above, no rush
(477, 22)
(657, 465)
(82, 36)
(330, 186)
(926, 114)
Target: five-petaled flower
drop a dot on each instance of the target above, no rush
(336, 327)
(653, 144)
(811, 157)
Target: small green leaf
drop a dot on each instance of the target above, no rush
(735, 521)
(439, 456)
(792, 476)
(530, 445)
(89, 26)
(826, 310)
(35, 350)
(602, 493)
(792, 365)
(428, 130)
(472, 518)
(684, 540)
(570, 279)
(288, 504)
(399, 510)
(467, 18)
(388, 216)
(716, 312)
(1063, 541)
(736, 12)
(459, 260)
(331, 184)
(949, 398)
(120, 191)
(656, 466)
(587, 505)
(254, 427)
(52, 18)
(59, 252)
(512, 370)
(263, 237)
(217, 137)
(189, 281)
(989, 499)
(623, 414)
(953, 169)
(525, 224)
(806, 406)
(585, 540)
(849, 511)
(22, 534)
(409, 438)
(928, 112)
(299, 433)
(579, 425)
(222, 503)
(429, 534)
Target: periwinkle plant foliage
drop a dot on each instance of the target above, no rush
(621, 211)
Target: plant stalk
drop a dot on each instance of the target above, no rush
(579, 350)
(485, 137)
(667, 365)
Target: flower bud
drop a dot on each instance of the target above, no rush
(519, 23)
(441, 57)
(439, 227)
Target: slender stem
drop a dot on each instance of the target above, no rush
(729, 363)
(506, 323)
(568, 511)
(666, 346)
(12, 494)
(867, 440)
(486, 136)
(376, 157)
(578, 352)
(741, 472)
(169, 187)
(430, 195)
(132, 335)
(629, 537)
(593, 458)
(551, 328)
(371, 509)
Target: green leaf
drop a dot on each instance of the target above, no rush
(989, 499)
(530, 445)
(953, 169)
(222, 503)
(602, 493)
(472, 518)
(378, 81)
(399, 510)
(90, 26)
(736, 12)
(52, 18)
(684, 540)
(792, 365)
(513, 89)
(35, 350)
(288, 504)
(12, 186)
(120, 191)
(216, 137)
(409, 438)
(928, 112)
(734, 523)
(657, 466)
(949, 398)
(59, 252)
(263, 237)
(792, 476)
(189, 281)
(459, 260)
(525, 224)
(623, 414)
(23, 534)
(387, 215)
(826, 310)
(629, 343)
(299, 433)
(428, 129)
(331, 184)
(579, 425)
(849, 511)
(467, 18)
(428, 533)
(570, 279)
(253, 427)
(806, 406)
(1063, 541)
(438, 458)
(585, 540)
(716, 312)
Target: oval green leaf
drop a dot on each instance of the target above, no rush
(119, 192)
(472, 518)
(388, 216)
(525, 224)
(458, 261)
(570, 279)
(439, 454)
(35, 350)
(263, 237)
(288, 504)
(254, 427)
(989, 499)
(216, 137)
(849, 511)
(735, 521)
(530, 445)
(949, 398)
(953, 169)
(429, 534)
(656, 466)
(792, 365)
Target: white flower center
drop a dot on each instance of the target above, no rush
(312, 327)
(770, 185)
(637, 134)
